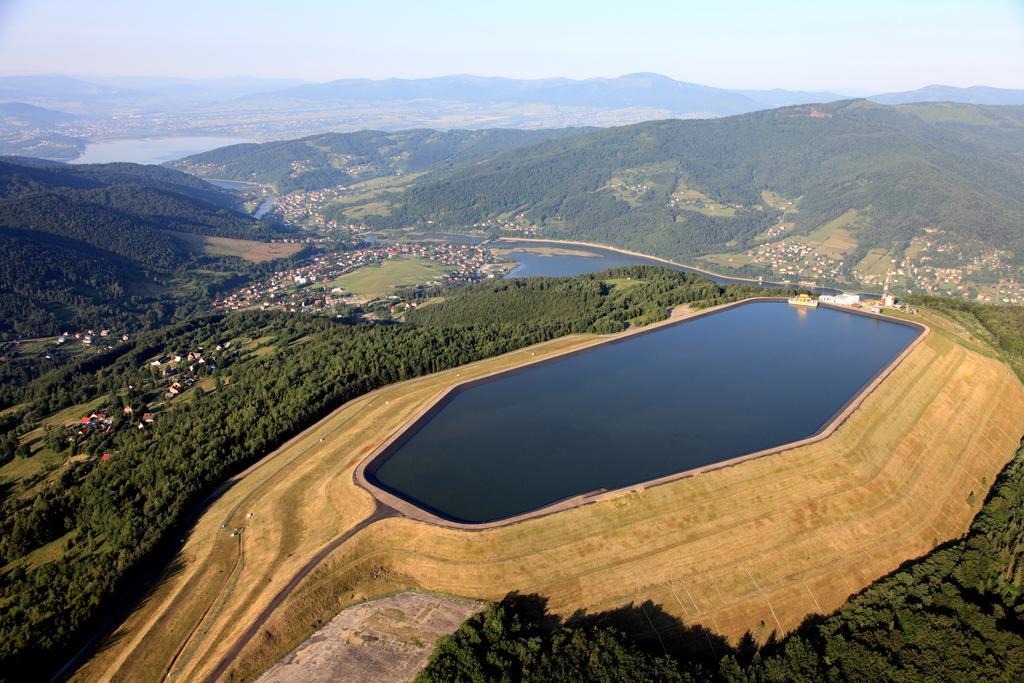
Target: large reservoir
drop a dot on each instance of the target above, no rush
(733, 382)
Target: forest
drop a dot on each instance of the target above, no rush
(604, 302)
(95, 245)
(332, 159)
(108, 516)
(648, 186)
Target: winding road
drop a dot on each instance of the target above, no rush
(380, 512)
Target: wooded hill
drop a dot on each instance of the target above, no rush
(95, 244)
(332, 159)
(685, 188)
(959, 168)
(282, 373)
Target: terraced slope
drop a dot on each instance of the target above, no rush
(756, 547)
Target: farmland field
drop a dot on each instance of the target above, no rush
(250, 250)
(382, 279)
(834, 238)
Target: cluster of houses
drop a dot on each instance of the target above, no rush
(987, 277)
(102, 422)
(291, 289)
(180, 371)
(518, 224)
(794, 259)
(928, 266)
(777, 230)
(94, 421)
(90, 337)
(307, 208)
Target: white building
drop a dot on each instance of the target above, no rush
(843, 299)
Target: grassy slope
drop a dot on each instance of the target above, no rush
(250, 250)
(755, 547)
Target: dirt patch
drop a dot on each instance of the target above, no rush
(388, 639)
(250, 250)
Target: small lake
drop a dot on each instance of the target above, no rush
(155, 150)
(594, 260)
(233, 185)
(585, 260)
(683, 396)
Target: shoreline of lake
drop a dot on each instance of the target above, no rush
(415, 507)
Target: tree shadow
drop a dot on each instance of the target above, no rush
(657, 632)
(532, 610)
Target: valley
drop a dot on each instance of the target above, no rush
(675, 191)
(270, 402)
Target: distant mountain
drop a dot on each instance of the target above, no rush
(22, 115)
(686, 188)
(633, 90)
(333, 159)
(67, 94)
(945, 93)
(211, 89)
(134, 89)
(54, 87)
(770, 99)
(93, 244)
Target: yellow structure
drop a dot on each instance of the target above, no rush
(803, 300)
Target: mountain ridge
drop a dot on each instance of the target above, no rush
(98, 244)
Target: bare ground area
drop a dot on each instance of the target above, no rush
(388, 639)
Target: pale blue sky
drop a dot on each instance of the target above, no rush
(866, 45)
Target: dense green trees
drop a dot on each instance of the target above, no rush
(588, 303)
(957, 167)
(95, 245)
(514, 640)
(331, 159)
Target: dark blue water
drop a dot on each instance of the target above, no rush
(530, 264)
(683, 396)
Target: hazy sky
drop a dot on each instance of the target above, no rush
(867, 45)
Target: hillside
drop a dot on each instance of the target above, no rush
(96, 245)
(331, 159)
(631, 90)
(683, 189)
(977, 94)
(21, 115)
(275, 375)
